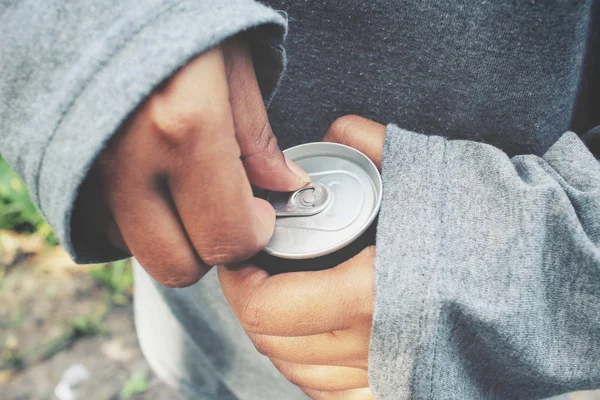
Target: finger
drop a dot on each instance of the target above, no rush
(205, 175)
(322, 377)
(134, 188)
(341, 348)
(155, 237)
(352, 394)
(264, 162)
(361, 133)
(302, 303)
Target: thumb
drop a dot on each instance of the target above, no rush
(265, 164)
(361, 133)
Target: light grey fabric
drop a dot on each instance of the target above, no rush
(486, 278)
(488, 271)
(71, 72)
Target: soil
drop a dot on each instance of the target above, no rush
(40, 295)
(111, 359)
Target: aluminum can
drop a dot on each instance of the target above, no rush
(328, 221)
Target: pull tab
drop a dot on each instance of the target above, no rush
(309, 200)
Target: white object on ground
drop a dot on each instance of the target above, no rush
(72, 377)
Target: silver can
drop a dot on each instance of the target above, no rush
(328, 221)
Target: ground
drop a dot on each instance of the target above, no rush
(112, 360)
(54, 315)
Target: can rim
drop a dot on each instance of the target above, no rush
(374, 212)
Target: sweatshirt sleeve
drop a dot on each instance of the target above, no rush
(71, 72)
(487, 271)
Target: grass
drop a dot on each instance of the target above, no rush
(136, 384)
(117, 278)
(85, 325)
(19, 214)
(17, 211)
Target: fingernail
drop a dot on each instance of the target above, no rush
(299, 172)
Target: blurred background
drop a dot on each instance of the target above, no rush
(66, 330)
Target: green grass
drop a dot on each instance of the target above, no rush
(17, 211)
(117, 277)
(136, 384)
(19, 214)
(80, 326)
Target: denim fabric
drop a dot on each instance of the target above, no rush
(487, 262)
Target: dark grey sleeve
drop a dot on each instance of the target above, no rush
(487, 271)
(71, 72)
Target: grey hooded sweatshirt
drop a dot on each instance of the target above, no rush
(488, 258)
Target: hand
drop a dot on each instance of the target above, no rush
(175, 180)
(315, 326)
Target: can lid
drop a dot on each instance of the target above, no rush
(339, 205)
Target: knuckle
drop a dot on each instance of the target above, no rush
(252, 315)
(340, 128)
(174, 124)
(219, 254)
(228, 248)
(359, 272)
(290, 372)
(226, 254)
(269, 147)
(262, 141)
(265, 141)
(363, 364)
(262, 345)
(363, 317)
(180, 280)
(178, 273)
(181, 122)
